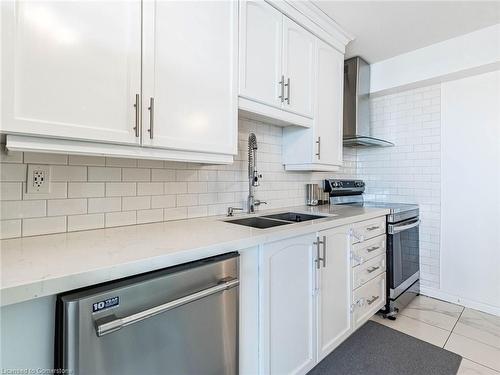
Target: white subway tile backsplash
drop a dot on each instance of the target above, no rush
(175, 187)
(178, 213)
(121, 162)
(143, 163)
(61, 207)
(85, 189)
(149, 188)
(116, 219)
(58, 190)
(136, 174)
(13, 172)
(44, 225)
(162, 175)
(87, 160)
(136, 203)
(68, 173)
(44, 158)
(163, 201)
(187, 200)
(104, 174)
(98, 205)
(10, 228)
(85, 222)
(22, 209)
(10, 191)
(104, 192)
(121, 189)
(149, 216)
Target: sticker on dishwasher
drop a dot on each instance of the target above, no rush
(106, 304)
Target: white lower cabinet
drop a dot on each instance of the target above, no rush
(305, 300)
(334, 290)
(368, 299)
(287, 308)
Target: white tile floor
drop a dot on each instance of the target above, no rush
(470, 333)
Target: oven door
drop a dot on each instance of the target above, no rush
(402, 255)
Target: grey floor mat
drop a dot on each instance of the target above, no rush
(375, 349)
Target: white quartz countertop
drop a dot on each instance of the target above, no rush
(33, 267)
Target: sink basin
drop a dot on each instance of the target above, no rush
(293, 216)
(257, 222)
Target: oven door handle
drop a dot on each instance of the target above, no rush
(393, 229)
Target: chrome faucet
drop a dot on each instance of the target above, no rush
(253, 174)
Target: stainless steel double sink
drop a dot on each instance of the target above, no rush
(274, 220)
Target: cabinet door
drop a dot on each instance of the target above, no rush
(334, 298)
(71, 69)
(328, 106)
(298, 68)
(190, 70)
(287, 308)
(261, 36)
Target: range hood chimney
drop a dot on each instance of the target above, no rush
(357, 105)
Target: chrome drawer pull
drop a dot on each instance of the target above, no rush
(373, 248)
(372, 228)
(372, 269)
(370, 301)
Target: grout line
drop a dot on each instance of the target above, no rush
(453, 327)
(482, 364)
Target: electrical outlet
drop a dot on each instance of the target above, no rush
(38, 181)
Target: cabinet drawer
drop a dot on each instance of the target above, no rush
(368, 299)
(367, 271)
(368, 229)
(363, 251)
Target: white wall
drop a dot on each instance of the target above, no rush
(463, 55)
(470, 205)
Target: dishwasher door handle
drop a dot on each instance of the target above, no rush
(112, 323)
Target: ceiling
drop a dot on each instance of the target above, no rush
(384, 29)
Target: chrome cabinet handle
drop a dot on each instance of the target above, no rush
(373, 248)
(370, 301)
(372, 228)
(324, 251)
(287, 84)
(372, 269)
(319, 259)
(112, 323)
(282, 88)
(151, 109)
(318, 142)
(137, 114)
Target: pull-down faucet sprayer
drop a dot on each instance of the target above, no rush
(253, 174)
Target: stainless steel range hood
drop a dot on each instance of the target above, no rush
(357, 105)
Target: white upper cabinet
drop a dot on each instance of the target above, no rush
(190, 75)
(334, 297)
(320, 148)
(71, 69)
(298, 68)
(329, 107)
(287, 336)
(260, 52)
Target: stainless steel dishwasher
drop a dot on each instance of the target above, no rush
(181, 320)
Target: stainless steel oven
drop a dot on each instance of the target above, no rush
(180, 320)
(402, 262)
